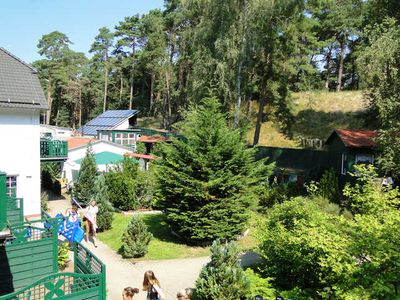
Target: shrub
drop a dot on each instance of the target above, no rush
(222, 278)
(305, 247)
(121, 185)
(135, 239)
(63, 255)
(105, 215)
(145, 188)
(259, 285)
(327, 187)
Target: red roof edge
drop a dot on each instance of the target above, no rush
(357, 138)
(138, 155)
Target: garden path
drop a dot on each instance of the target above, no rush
(173, 274)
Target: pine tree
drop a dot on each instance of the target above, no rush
(84, 189)
(136, 238)
(105, 215)
(207, 178)
(222, 278)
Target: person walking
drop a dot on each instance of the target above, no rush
(185, 294)
(152, 286)
(91, 221)
(128, 293)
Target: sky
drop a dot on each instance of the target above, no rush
(24, 22)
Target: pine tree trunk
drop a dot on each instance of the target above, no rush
(259, 116)
(239, 94)
(80, 106)
(105, 89)
(341, 60)
(132, 76)
(152, 92)
(168, 98)
(121, 87)
(131, 92)
(49, 100)
(328, 68)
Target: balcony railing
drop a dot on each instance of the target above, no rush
(53, 149)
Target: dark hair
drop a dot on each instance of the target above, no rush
(128, 291)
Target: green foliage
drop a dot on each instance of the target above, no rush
(208, 180)
(314, 249)
(222, 278)
(50, 172)
(63, 255)
(327, 187)
(278, 193)
(44, 201)
(105, 215)
(366, 196)
(84, 189)
(259, 285)
(380, 67)
(135, 239)
(121, 184)
(140, 148)
(145, 188)
(304, 247)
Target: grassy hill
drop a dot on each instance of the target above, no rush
(316, 115)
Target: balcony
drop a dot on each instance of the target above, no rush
(53, 149)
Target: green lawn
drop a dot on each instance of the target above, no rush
(164, 244)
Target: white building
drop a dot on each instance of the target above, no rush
(117, 126)
(107, 154)
(55, 132)
(21, 101)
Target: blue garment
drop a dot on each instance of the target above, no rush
(74, 232)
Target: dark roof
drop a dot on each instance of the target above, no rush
(19, 84)
(107, 120)
(355, 138)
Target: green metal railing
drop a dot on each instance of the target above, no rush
(53, 149)
(61, 286)
(15, 210)
(87, 282)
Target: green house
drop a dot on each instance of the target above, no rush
(353, 147)
(342, 150)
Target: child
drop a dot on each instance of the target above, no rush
(152, 286)
(128, 293)
(91, 221)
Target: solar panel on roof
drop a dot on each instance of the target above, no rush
(107, 120)
(118, 113)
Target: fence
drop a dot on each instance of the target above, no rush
(87, 282)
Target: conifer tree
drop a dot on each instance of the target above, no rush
(84, 189)
(136, 238)
(105, 214)
(207, 179)
(222, 278)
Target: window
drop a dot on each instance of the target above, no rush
(349, 160)
(366, 159)
(11, 186)
(125, 138)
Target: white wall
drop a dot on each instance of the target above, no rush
(71, 167)
(57, 133)
(123, 125)
(20, 153)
